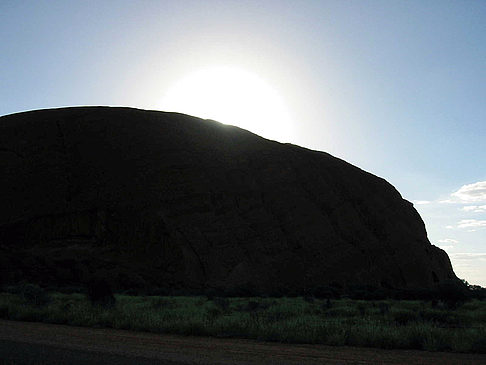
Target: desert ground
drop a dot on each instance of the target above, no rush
(40, 343)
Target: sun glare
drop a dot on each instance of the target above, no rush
(232, 96)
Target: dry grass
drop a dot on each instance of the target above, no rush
(384, 324)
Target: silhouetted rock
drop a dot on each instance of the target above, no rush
(167, 200)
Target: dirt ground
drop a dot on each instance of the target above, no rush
(39, 343)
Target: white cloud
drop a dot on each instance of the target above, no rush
(471, 223)
(448, 240)
(471, 193)
(450, 227)
(465, 256)
(445, 248)
(470, 266)
(421, 202)
(474, 208)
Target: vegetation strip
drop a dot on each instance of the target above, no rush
(389, 324)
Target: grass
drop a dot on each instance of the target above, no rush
(390, 324)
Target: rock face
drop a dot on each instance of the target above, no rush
(169, 200)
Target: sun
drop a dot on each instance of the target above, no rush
(233, 96)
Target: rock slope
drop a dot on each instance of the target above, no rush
(170, 200)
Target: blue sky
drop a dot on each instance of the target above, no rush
(397, 88)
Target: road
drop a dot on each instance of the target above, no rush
(40, 343)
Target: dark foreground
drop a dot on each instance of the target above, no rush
(39, 343)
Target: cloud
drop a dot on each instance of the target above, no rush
(421, 202)
(470, 266)
(471, 223)
(446, 243)
(471, 193)
(448, 240)
(474, 208)
(448, 201)
(467, 256)
(450, 227)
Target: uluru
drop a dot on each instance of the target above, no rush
(168, 200)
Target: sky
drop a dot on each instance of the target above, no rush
(397, 88)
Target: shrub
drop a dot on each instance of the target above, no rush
(34, 294)
(366, 292)
(3, 311)
(159, 292)
(222, 303)
(342, 311)
(479, 345)
(477, 292)
(384, 308)
(309, 299)
(325, 292)
(99, 293)
(212, 313)
(453, 294)
(212, 293)
(327, 304)
(402, 317)
(252, 306)
(361, 309)
(132, 292)
(244, 290)
(159, 303)
(443, 317)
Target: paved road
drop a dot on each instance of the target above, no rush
(39, 343)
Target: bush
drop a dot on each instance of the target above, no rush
(453, 294)
(327, 304)
(325, 292)
(34, 294)
(4, 311)
(368, 292)
(362, 309)
(408, 324)
(402, 317)
(213, 313)
(479, 345)
(309, 298)
(477, 292)
(384, 308)
(212, 293)
(99, 293)
(159, 292)
(342, 312)
(443, 317)
(222, 303)
(252, 306)
(159, 303)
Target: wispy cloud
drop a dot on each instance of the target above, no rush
(466, 194)
(464, 256)
(421, 202)
(470, 265)
(447, 243)
(448, 201)
(448, 240)
(474, 208)
(475, 192)
(471, 223)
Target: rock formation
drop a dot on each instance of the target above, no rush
(170, 200)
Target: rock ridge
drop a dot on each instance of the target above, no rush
(169, 200)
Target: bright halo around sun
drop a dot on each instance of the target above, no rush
(232, 96)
